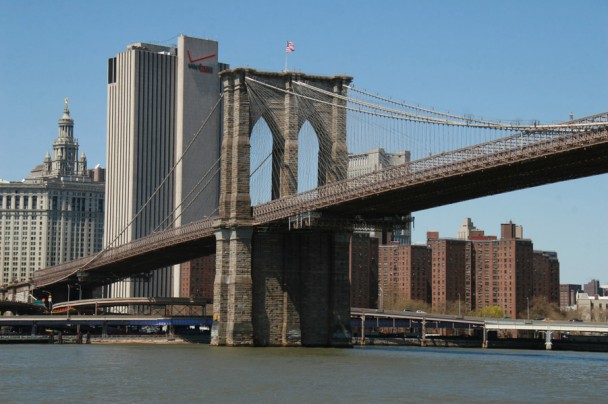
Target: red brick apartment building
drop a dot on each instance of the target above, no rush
(546, 276)
(567, 295)
(501, 271)
(363, 271)
(402, 271)
(447, 272)
(197, 277)
(487, 271)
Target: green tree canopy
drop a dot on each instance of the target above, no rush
(491, 312)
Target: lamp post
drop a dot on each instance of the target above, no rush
(49, 299)
(381, 298)
(459, 304)
(67, 312)
(528, 306)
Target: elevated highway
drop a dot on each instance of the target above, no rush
(420, 322)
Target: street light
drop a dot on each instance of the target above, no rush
(381, 298)
(458, 304)
(49, 299)
(528, 306)
(68, 306)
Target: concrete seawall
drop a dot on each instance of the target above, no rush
(589, 345)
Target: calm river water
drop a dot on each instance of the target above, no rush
(200, 373)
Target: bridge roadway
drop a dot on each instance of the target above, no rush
(515, 162)
(165, 304)
(545, 325)
(409, 319)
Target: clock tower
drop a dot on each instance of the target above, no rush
(65, 162)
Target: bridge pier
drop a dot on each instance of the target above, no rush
(484, 343)
(548, 343)
(301, 290)
(281, 288)
(362, 330)
(423, 333)
(232, 314)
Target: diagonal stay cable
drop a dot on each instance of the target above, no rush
(190, 193)
(169, 174)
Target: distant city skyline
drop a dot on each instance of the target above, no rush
(534, 60)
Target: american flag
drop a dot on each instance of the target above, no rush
(290, 47)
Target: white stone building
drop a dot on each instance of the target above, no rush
(54, 215)
(592, 308)
(375, 160)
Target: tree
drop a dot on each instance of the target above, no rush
(541, 307)
(491, 312)
(394, 301)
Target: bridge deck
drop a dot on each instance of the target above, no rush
(504, 165)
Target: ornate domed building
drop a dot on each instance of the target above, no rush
(55, 214)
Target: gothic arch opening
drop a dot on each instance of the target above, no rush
(260, 163)
(308, 158)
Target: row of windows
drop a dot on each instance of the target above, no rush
(18, 202)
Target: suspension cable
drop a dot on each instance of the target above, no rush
(158, 188)
(188, 195)
(396, 114)
(429, 111)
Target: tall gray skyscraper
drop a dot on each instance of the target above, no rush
(55, 214)
(163, 146)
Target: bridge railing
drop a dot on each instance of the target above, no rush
(151, 242)
(598, 118)
(190, 231)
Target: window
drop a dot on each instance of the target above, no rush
(111, 70)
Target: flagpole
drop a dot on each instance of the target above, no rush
(289, 47)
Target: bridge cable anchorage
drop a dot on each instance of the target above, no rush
(158, 188)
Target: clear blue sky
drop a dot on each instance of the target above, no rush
(500, 60)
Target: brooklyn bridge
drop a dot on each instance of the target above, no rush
(282, 261)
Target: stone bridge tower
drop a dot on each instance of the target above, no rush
(275, 286)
